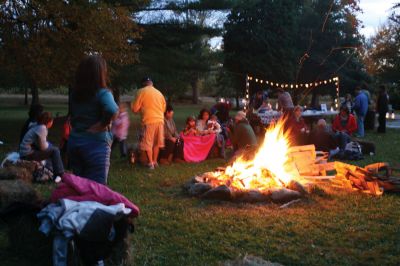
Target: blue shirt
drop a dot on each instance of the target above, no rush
(361, 104)
(100, 108)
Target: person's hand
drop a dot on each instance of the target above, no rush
(173, 139)
(303, 130)
(97, 128)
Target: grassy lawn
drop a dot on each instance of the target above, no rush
(173, 229)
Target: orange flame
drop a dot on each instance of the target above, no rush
(270, 167)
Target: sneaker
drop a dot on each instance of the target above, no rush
(57, 179)
(150, 166)
(155, 164)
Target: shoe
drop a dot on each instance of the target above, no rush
(150, 166)
(179, 160)
(57, 179)
(155, 164)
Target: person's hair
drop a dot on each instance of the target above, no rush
(91, 76)
(298, 107)
(202, 111)
(382, 88)
(169, 108)
(321, 123)
(189, 119)
(34, 111)
(345, 108)
(281, 90)
(44, 118)
(348, 95)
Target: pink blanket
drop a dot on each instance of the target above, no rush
(82, 189)
(196, 148)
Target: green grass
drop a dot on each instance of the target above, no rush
(173, 229)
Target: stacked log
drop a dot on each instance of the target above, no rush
(372, 179)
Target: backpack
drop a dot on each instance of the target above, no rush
(353, 151)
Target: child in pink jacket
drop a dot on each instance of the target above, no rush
(120, 128)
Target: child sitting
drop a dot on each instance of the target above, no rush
(34, 146)
(120, 127)
(213, 125)
(190, 129)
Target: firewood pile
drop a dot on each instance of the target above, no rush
(309, 168)
(372, 179)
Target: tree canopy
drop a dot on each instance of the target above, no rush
(294, 41)
(43, 41)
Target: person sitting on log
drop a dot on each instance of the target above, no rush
(173, 144)
(34, 146)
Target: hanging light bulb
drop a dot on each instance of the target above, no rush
(393, 116)
(387, 115)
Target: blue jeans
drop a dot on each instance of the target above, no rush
(89, 158)
(52, 156)
(360, 125)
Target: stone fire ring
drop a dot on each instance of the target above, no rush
(201, 187)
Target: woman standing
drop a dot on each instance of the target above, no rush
(92, 110)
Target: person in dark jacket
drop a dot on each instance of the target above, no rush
(242, 134)
(360, 107)
(382, 107)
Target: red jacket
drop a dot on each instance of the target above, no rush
(350, 127)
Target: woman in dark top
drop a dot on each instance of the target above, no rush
(382, 107)
(92, 110)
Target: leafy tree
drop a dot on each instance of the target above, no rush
(44, 40)
(175, 48)
(294, 41)
(382, 56)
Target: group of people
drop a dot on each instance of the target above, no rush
(96, 123)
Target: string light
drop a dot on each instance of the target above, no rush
(315, 84)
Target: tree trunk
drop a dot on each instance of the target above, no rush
(35, 94)
(26, 97)
(195, 91)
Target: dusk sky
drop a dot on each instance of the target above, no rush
(375, 13)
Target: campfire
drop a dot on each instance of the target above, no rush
(278, 172)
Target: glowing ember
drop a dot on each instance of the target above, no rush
(271, 166)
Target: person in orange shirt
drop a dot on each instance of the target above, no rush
(150, 103)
